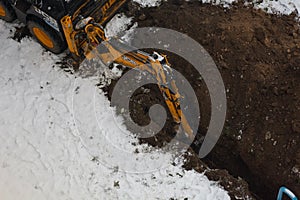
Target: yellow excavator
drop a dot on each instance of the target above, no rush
(78, 26)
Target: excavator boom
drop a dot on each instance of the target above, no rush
(88, 40)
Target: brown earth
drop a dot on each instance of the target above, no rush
(258, 55)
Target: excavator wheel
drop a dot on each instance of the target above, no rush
(46, 36)
(7, 13)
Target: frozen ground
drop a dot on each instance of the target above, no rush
(59, 139)
(271, 6)
(148, 3)
(285, 7)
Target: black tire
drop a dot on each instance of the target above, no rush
(58, 44)
(9, 13)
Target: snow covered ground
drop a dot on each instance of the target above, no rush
(148, 3)
(59, 139)
(285, 7)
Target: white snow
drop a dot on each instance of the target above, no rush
(225, 3)
(285, 7)
(60, 140)
(120, 25)
(117, 25)
(148, 3)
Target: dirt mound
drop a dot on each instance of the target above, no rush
(258, 55)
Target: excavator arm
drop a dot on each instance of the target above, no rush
(88, 40)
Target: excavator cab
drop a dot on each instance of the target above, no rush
(43, 17)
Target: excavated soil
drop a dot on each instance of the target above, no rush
(258, 55)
